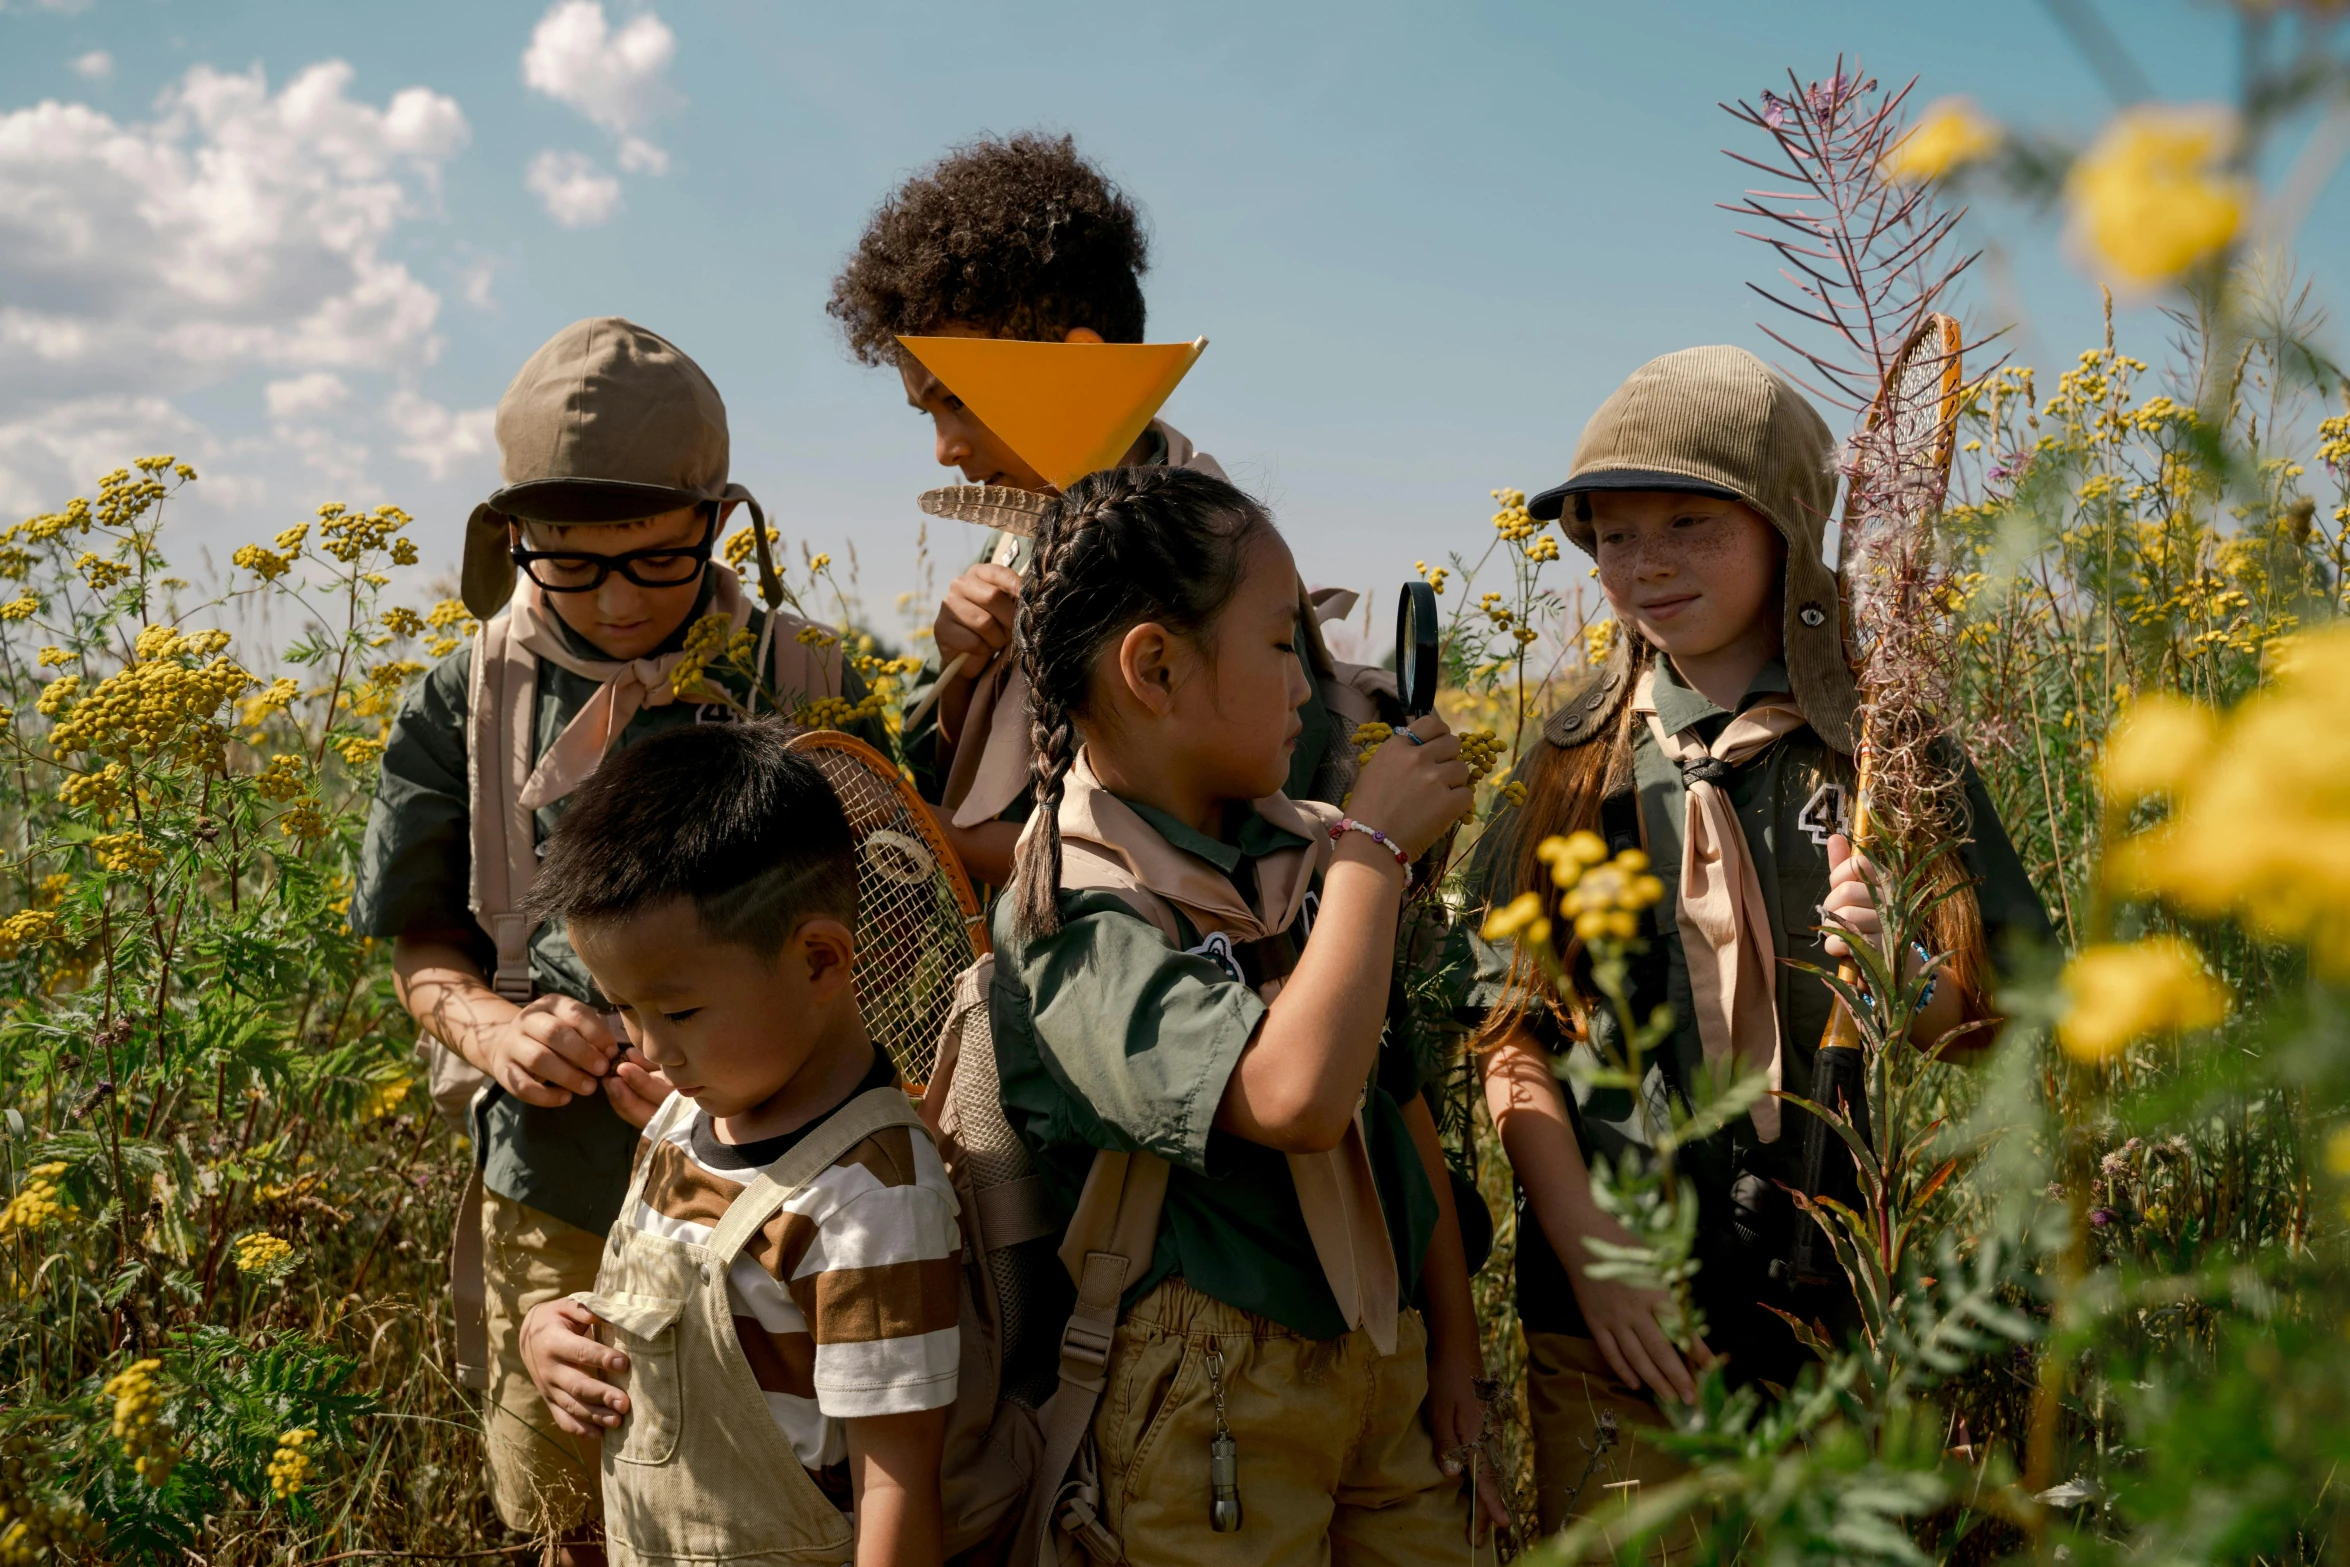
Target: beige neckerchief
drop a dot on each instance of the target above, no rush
(1106, 846)
(627, 686)
(1725, 924)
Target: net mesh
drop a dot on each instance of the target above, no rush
(912, 934)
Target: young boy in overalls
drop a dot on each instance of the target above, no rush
(1022, 237)
(613, 449)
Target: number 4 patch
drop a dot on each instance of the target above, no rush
(1823, 814)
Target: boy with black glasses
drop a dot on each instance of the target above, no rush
(588, 568)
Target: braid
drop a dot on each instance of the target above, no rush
(1118, 548)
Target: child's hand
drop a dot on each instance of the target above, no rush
(976, 616)
(636, 1088)
(549, 1051)
(1413, 793)
(1456, 1419)
(1624, 1321)
(570, 1367)
(1852, 897)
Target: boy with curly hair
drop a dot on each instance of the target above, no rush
(1023, 237)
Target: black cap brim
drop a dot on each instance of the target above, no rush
(1547, 506)
(579, 502)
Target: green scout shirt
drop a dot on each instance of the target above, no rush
(1108, 1037)
(414, 878)
(1788, 799)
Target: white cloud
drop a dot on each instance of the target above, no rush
(318, 392)
(572, 186)
(619, 80)
(97, 65)
(236, 228)
(440, 439)
(477, 280)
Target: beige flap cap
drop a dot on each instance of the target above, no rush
(606, 423)
(1718, 421)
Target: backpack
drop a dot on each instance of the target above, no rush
(1018, 1481)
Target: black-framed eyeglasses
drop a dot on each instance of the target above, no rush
(663, 566)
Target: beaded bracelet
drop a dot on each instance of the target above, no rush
(1346, 824)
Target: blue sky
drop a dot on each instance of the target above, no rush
(1424, 240)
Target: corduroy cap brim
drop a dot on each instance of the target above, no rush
(580, 502)
(1548, 506)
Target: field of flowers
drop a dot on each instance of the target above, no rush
(2104, 1274)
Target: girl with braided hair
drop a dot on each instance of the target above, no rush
(1157, 996)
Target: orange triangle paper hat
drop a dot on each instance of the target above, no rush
(1066, 408)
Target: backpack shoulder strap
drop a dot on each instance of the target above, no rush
(877, 1109)
(1109, 1242)
(498, 736)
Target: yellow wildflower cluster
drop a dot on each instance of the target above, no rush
(1432, 575)
(832, 712)
(1602, 898)
(98, 791)
(1544, 548)
(302, 821)
(1370, 737)
(2259, 826)
(58, 695)
(358, 750)
(401, 621)
(1513, 522)
(37, 1204)
(263, 1255)
(99, 572)
(23, 929)
(22, 607)
(289, 1466)
(379, 694)
(271, 699)
(138, 1420)
(350, 535)
(1480, 748)
(34, 1528)
(165, 698)
(710, 640)
(54, 658)
(814, 636)
(2120, 991)
(1599, 640)
(266, 564)
(454, 622)
(385, 1097)
(2152, 199)
(126, 853)
(1951, 134)
(284, 777)
(40, 530)
(740, 544)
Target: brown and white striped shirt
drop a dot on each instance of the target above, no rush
(846, 1302)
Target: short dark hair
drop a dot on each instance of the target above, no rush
(724, 814)
(1020, 235)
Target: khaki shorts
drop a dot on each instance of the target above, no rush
(1336, 1463)
(541, 1481)
(1569, 1394)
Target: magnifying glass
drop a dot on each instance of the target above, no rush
(1417, 661)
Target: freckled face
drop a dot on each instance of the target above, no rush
(1694, 573)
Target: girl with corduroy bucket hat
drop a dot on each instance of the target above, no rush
(1718, 738)
(587, 567)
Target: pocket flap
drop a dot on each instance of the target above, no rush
(639, 1316)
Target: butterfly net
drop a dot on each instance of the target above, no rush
(917, 922)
